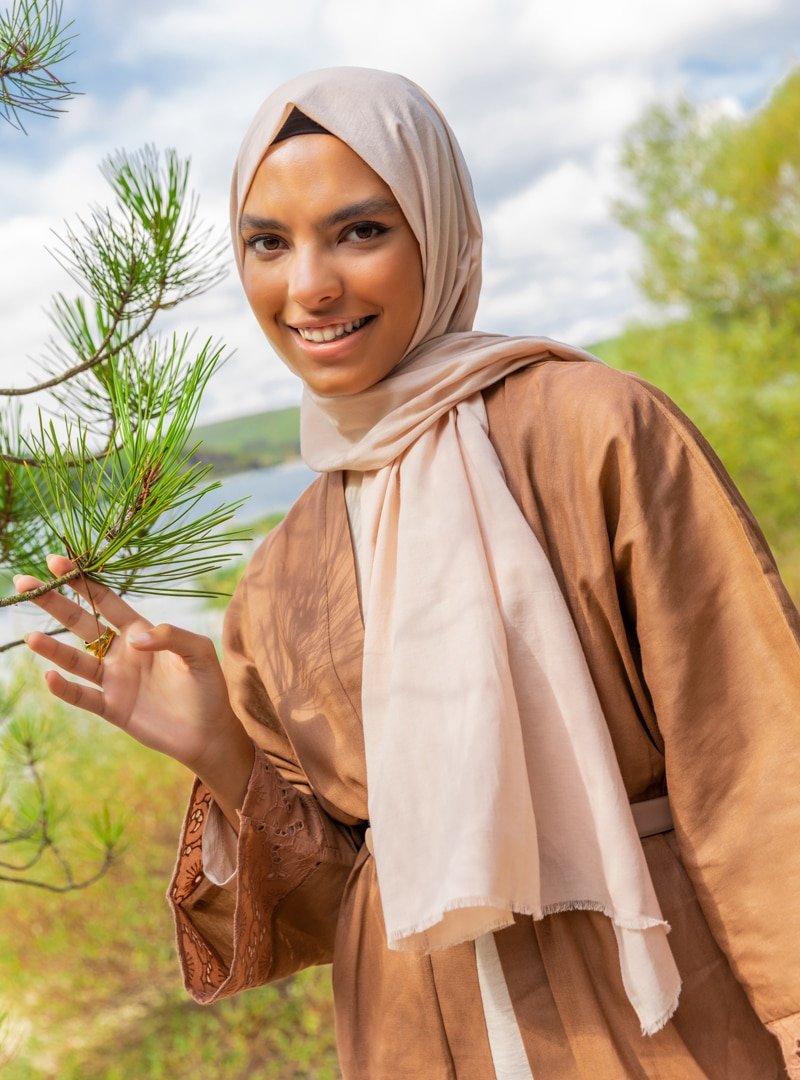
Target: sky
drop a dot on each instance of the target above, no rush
(539, 92)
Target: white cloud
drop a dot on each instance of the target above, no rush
(207, 32)
(558, 264)
(573, 33)
(549, 216)
(27, 279)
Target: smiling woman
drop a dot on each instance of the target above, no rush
(490, 735)
(336, 286)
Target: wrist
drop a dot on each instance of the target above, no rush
(226, 769)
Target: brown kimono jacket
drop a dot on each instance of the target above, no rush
(692, 642)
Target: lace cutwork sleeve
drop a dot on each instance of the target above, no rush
(292, 860)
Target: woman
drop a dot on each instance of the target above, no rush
(522, 596)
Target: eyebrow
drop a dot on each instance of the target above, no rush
(377, 205)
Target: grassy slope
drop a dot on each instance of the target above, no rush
(90, 978)
(250, 442)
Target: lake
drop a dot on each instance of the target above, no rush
(266, 490)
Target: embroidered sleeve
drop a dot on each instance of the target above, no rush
(292, 864)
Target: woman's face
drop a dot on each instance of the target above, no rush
(331, 270)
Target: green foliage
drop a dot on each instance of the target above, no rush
(739, 381)
(250, 442)
(126, 516)
(34, 41)
(280, 1032)
(109, 953)
(142, 254)
(716, 205)
(116, 487)
(41, 846)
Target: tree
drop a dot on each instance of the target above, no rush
(716, 204)
(111, 481)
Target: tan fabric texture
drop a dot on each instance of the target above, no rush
(473, 674)
(677, 603)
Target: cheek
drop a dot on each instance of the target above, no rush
(408, 280)
(409, 292)
(397, 287)
(263, 295)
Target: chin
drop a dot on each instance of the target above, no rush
(333, 382)
(334, 388)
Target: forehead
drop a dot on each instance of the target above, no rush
(311, 170)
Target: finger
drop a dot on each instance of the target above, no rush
(111, 607)
(62, 609)
(197, 651)
(75, 661)
(82, 697)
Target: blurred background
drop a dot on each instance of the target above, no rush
(638, 173)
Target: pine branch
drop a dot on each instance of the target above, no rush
(131, 520)
(34, 40)
(25, 741)
(142, 256)
(70, 885)
(48, 586)
(39, 825)
(101, 355)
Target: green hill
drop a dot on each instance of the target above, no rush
(249, 442)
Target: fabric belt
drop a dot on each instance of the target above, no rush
(652, 816)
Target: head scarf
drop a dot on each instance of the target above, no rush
(493, 784)
(298, 123)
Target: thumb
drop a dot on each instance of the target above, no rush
(195, 650)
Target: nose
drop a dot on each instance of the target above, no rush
(314, 280)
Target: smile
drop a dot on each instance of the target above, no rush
(319, 334)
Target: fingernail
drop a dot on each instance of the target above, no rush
(142, 638)
(16, 578)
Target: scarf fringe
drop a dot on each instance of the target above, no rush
(398, 943)
(648, 1030)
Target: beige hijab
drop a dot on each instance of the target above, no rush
(493, 785)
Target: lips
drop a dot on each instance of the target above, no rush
(320, 334)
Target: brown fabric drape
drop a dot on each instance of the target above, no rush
(692, 644)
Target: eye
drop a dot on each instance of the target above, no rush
(365, 230)
(264, 244)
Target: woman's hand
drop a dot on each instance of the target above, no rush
(162, 685)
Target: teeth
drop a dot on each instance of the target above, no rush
(329, 333)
